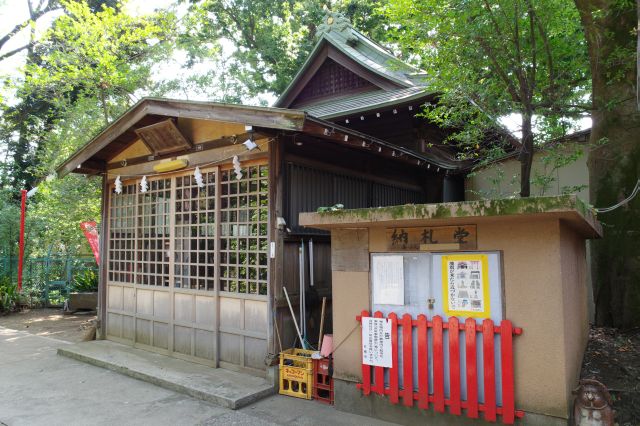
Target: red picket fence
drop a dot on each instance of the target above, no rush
(489, 408)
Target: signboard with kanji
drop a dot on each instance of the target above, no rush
(376, 342)
(458, 237)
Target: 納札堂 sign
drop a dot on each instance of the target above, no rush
(457, 237)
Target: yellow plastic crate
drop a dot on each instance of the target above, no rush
(296, 382)
(300, 358)
(296, 373)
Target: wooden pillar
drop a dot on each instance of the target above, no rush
(276, 188)
(101, 331)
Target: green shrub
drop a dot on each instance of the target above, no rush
(85, 282)
(9, 296)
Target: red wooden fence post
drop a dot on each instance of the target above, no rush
(489, 371)
(438, 365)
(506, 348)
(423, 363)
(454, 366)
(366, 369)
(472, 372)
(407, 360)
(393, 372)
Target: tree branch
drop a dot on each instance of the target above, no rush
(14, 51)
(496, 27)
(525, 92)
(34, 15)
(545, 43)
(532, 37)
(498, 69)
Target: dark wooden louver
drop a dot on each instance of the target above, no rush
(163, 138)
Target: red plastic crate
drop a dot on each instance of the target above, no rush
(323, 380)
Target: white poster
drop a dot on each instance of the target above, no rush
(376, 342)
(388, 280)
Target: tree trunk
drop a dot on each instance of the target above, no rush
(526, 155)
(614, 167)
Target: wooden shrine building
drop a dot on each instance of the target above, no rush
(194, 260)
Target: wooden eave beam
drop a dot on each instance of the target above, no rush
(344, 136)
(101, 141)
(276, 118)
(200, 147)
(124, 141)
(91, 166)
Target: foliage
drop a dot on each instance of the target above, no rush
(270, 38)
(89, 67)
(489, 59)
(9, 224)
(87, 281)
(9, 297)
(104, 55)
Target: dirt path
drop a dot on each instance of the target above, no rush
(50, 323)
(613, 358)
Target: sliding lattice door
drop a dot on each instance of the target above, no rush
(187, 267)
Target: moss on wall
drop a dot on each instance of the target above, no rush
(503, 207)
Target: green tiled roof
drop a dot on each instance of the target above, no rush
(358, 47)
(374, 57)
(354, 104)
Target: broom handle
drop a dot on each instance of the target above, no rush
(324, 301)
(294, 318)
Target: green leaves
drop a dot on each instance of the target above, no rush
(106, 54)
(89, 67)
(270, 38)
(489, 59)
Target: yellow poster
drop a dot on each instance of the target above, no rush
(465, 285)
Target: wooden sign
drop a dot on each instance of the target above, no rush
(432, 238)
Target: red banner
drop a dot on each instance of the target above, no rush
(90, 230)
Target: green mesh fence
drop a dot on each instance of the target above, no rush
(48, 280)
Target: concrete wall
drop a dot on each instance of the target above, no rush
(545, 294)
(574, 263)
(488, 183)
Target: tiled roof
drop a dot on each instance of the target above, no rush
(365, 52)
(353, 104)
(374, 57)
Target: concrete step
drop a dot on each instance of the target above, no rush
(226, 388)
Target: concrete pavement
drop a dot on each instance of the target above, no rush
(38, 387)
(225, 388)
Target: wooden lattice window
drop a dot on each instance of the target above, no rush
(122, 242)
(195, 231)
(243, 240)
(153, 251)
(167, 236)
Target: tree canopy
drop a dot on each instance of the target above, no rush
(92, 64)
(489, 59)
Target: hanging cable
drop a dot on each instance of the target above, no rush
(635, 191)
